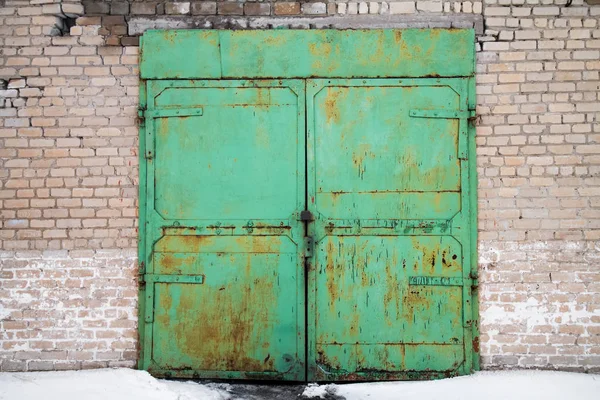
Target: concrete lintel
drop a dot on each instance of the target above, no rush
(138, 25)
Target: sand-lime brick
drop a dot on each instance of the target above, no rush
(69, 169)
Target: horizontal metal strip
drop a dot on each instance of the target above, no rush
(392, 344)
(212, 374)
(445, 114)
(173, 112)
(398, 224)
(177, 229)
(340, 192)
(183, 223)
(161, 278)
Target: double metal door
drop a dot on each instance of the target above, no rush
(307, 229)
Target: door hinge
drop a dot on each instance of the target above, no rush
(141, 119)
(141, 272)
(461, 115)
(445, 114)
(170, 112)
(474, 119)
(163, 278)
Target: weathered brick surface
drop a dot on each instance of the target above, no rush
(251, 8)
(67, 309)
(205, 8)
(68, 176)
(287, 8)
(539, 162)
(230, 8)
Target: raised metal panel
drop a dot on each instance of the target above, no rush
(223, 244)
(389, 288)
(289, 53)
(178, 54)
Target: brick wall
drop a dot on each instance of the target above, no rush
(68, 193)
(539, 185)
(68, 170)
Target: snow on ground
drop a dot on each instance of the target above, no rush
(127, 384)
(100, 384)
(500, 385)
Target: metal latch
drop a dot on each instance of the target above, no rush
(306, 215)
(309, 244)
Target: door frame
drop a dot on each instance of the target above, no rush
(164, 55)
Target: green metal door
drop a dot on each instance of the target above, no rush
(224, 280)
(390, 287)
(320, 225)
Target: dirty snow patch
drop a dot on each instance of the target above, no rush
(193, 391)
(314, 391)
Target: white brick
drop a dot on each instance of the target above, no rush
(429, 6)
(363, 7)
(177, 8)
(405, 7)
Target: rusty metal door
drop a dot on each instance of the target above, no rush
(308, 204)
(224, 280)
(389, 289)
